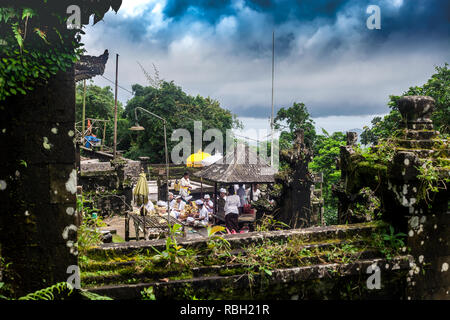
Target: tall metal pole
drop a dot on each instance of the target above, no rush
(83, 126)
(115, 107)
(272, 117)
(167, 172)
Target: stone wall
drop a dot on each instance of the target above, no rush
(316, 277)
(38, 184)
(109, 184)
(410, 175)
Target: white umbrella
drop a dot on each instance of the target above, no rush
(212, 159)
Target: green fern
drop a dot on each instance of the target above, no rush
(60, 290)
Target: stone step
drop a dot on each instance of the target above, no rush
(422, 153)
(117, 262)
(420, 134)
(313, 234)
(284, 280)
(419, 144)
(123, 275)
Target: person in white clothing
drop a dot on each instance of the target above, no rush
(203, 217)
(232, 211)
(242, 196)
(185, 186)
(256, 193)
(209, 205)
(176, 206)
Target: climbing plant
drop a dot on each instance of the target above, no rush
(36, 42)
(33, 49)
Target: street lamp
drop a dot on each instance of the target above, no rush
(137, 127)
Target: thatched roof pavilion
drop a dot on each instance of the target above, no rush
(242, 165)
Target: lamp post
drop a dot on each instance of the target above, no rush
(137, 127)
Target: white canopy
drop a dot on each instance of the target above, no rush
(210, 160)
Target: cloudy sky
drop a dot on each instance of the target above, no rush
(326, 56)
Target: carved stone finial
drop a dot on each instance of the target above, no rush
(352, 138)
(417, 110)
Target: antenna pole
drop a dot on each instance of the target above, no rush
(115, 107)
(272, 117)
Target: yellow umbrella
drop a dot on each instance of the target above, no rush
(195, 159)
(140, 192)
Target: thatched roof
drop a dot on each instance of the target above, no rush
(90, 66)
(239, 166)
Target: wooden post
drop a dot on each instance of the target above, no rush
(115, 106)
(145, 230)
(201, 187)
(104, 134)
(83, 125)
(127, 226)
(215, 202)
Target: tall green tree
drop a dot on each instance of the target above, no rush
(290, 120)
(180, 110)
(100, 105)
(326, 151)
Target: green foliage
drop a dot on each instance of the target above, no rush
(326, 152)
(180, 110)
(296, 117)
(268, 223)
(437, 87)
(218, 245)
(99, 102)
(148, 294)
(100, 105)
(260, 258)
(174, 253)
(2, 286)
(35, 46)
(388, 242)
(367, 206)
(381, 128)
(431, 182)
(59, 291)
(344, 254)
(88, 233)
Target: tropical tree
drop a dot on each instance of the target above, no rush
(100, 105)
(292, 119)
(326, 152)
(180, 110)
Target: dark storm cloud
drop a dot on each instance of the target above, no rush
(422, 17)
(325, 55)
(414, 20)
(213, 10)
(315, 109)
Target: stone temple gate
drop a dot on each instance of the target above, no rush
(408, 173)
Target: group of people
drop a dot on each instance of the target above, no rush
(230, 204)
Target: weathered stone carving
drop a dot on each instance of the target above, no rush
(295, 200)
(410, 175)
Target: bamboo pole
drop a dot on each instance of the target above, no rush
(83, 126)
(115, 107)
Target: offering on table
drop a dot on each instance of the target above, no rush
(161, 208)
